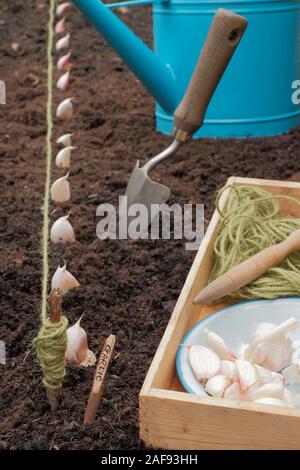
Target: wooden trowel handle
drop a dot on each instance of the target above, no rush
(223, 37)
(249, 270)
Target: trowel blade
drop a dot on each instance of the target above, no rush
(142, 190)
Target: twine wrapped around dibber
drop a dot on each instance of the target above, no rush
(251, 222)
(51, 345)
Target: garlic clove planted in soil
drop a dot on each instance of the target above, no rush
(78, 353)
(63, 62)
(63, 83)
(217, 385)
(247, 374)
(61, 9)
(64, 280)
(60, 26)
(63, 158)
(204, 362)
(63, 43)
(65, 110)
(62, 231)
(218, 345)
(273, 402)
(60, 189)
(65, 140)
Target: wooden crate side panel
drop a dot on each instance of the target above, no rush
(193, 424)
(278, 188)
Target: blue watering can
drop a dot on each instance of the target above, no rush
(254, 98)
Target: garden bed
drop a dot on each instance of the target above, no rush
(128, 288)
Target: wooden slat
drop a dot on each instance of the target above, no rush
(173, 422)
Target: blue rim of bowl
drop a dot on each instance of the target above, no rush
(185, 338)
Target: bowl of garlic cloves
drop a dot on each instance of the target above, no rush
(245, 352)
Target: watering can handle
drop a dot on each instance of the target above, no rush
(223, 37)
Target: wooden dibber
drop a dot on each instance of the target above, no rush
(249, 270)
(98, 381)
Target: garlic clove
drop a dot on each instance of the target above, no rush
(77, 352)
(291, 374)
(262, 330)
(273, 402)
(63, 82)
(217, 385)
(204, 362)
(242, 351)
(60, 26)
(295, 354)
(265, 376)
(64, 280)
(228, 368)
(218, 345)
(289, 398)
(283, 329)
(65, 140)
(60, 189)
(65, 109)
(246, 373)
(270, 345)
(291, 377)
(61, 9)
(274, 390)
(279, 355)
(63, 62)
(63, 158)
(89, 360)
(277, 377)
(62, 231)
(275, 356)
(232, 392)
(63, 43)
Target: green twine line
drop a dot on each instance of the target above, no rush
(51, 341)
(251, 222)
(51, 344)
(49, 117)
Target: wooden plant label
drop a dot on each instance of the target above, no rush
(98, 381)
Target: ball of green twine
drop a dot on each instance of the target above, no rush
(51, 345)
(252, 220)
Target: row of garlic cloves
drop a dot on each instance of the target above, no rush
(77, 353)
(62, 230)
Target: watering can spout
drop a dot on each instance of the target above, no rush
(156, 76)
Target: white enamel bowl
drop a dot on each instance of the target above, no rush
(234, 324)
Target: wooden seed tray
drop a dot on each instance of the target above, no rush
(170, 418)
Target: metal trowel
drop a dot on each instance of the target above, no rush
(223, 37)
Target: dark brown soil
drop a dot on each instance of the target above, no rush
(128, 288)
